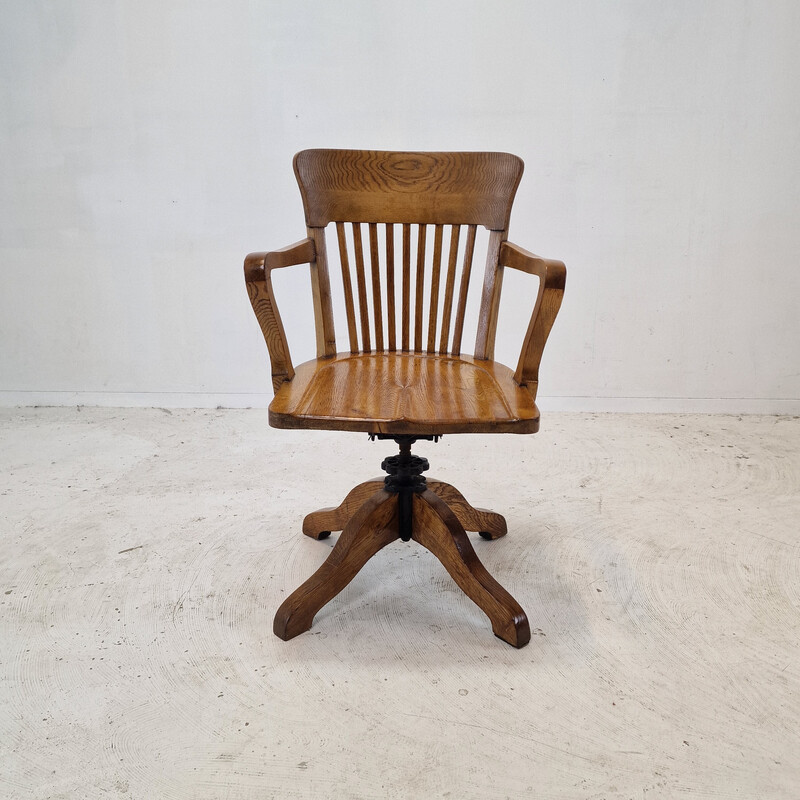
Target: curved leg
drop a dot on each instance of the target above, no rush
(319, 524)
(489, 524)
(437, 528)
(372, 527)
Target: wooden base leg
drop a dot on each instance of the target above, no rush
(319, 524)
(437, 528)
(371, 528)
(403, 505)
(489, 524)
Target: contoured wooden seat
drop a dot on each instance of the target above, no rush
(404, 393)
(404, 376)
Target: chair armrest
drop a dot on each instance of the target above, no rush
(257, 274)
(552, 277)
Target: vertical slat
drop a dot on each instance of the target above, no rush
(361, 281)
(375, 265)
(434, 305)
(447, 308)
(406, 285)
(390, 313)
(321, 296)
(490, 298)
(348, 288)
(420, 287)
(462, 296)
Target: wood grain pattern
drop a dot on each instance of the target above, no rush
(421, 393)
(318, 524)
(391, 317)
(450, 281)
(326, 520)
(434, 292)
(552, 279)
(419, 288)
(437, 528)
(490, 524)
(301, 252)
(404, 393)
(321, 295)
(361, 282)
(411, 187)
(375, 269)
(257, 272)
(451, 178)
(347, 286)
(406, 324)
(490, 299)
(463, 291)
(372, 527)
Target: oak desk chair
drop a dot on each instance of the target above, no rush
(409, 381)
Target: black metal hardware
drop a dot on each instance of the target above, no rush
(405, 478)
(398, 438)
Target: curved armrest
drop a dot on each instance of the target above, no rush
(257, 275)
(552, 277)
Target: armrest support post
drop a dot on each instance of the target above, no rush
(257, 274)
(552, 278)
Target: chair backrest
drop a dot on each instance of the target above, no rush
(397, 196)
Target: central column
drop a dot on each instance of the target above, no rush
(405, 479)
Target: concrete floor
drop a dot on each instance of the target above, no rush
(144, 552)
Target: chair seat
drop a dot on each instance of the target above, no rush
(404, 393)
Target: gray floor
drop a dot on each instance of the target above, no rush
(144, 552)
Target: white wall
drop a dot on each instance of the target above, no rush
(146, 147)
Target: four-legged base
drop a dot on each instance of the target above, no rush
(404, 506)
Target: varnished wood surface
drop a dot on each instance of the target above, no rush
(321, 295)
(404, 393)
(391, 317)
(437, 528)
(413, 187)
(257, 273)
(427, 391)
(463, 291)
(427, 292)
(552, 276)
(450, 280)
(415, 190)
(490, 524)
(420, 287)
(372, 527)
(321, 522)
(490, 299)
(405, 339)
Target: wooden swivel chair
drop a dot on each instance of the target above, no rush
(403, 379)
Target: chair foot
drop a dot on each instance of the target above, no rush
(370, 529)
(437, 528)
(489, 524)
(319, 524)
